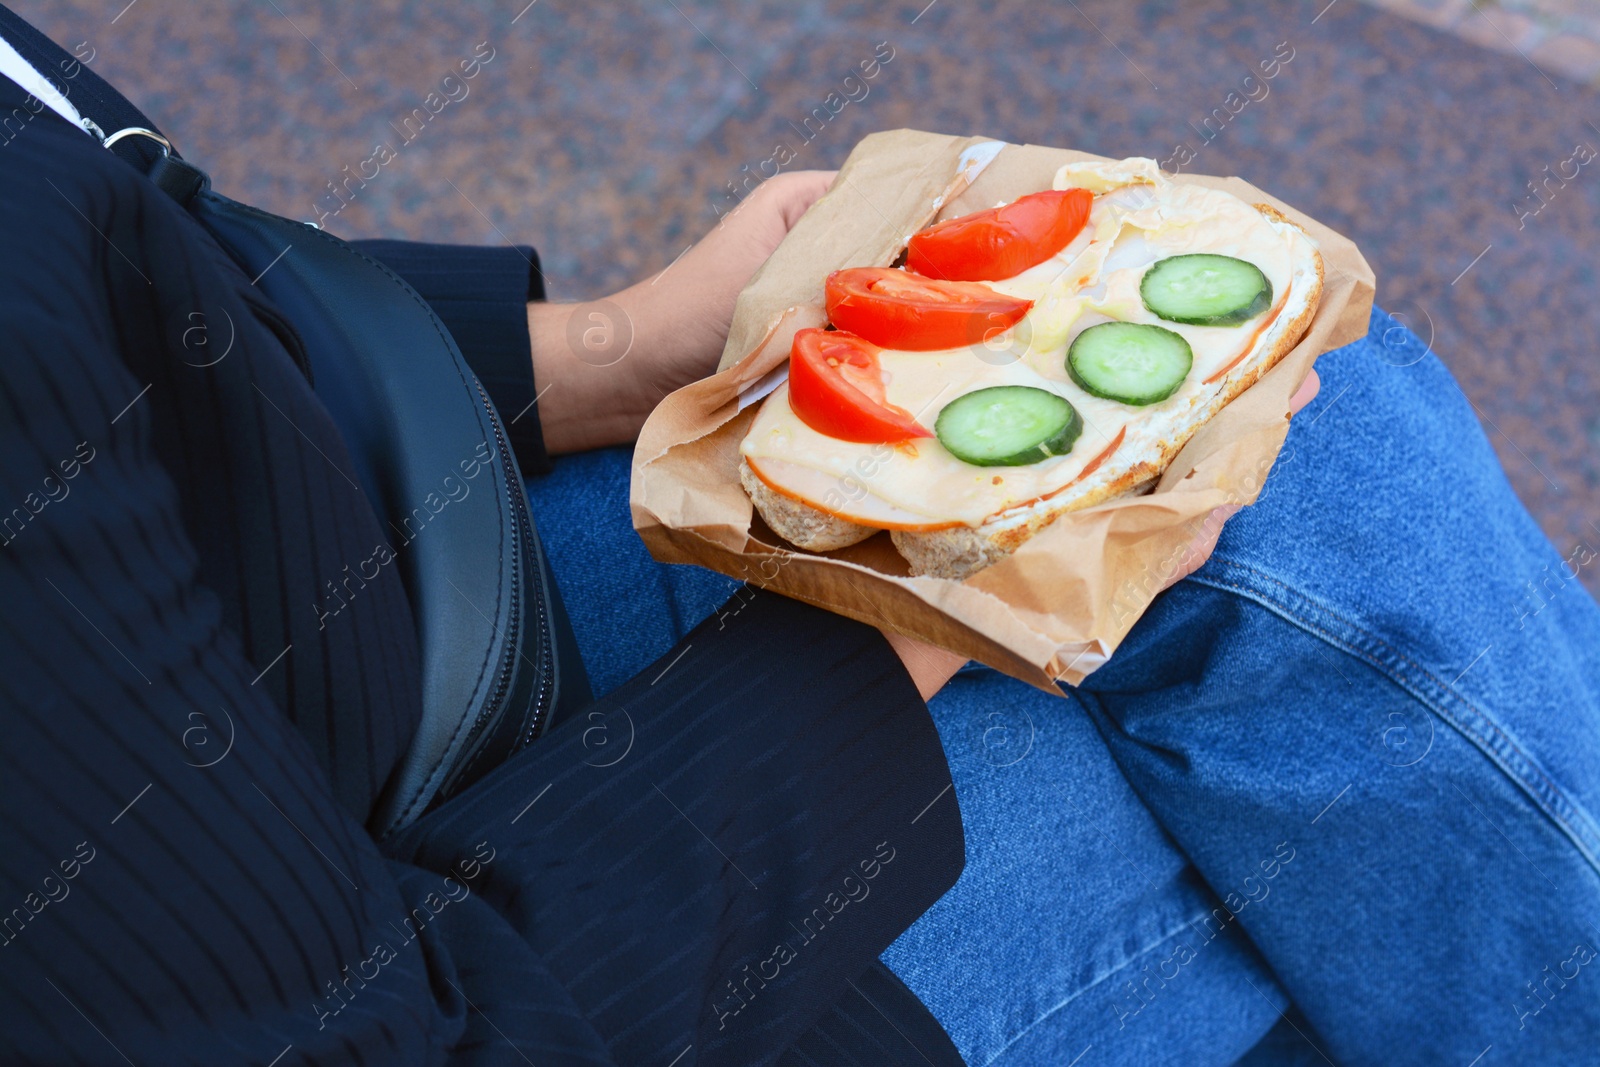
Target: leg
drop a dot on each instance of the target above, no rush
(1386, 664)
(626, 608)
(1077, 928)
(1075, 922)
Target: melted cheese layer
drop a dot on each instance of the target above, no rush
(1139, 220)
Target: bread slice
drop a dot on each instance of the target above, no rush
(797, 522)
(959, 551)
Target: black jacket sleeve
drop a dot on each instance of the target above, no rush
(712, 854)
(481, 294)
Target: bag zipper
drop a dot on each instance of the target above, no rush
(539, 709)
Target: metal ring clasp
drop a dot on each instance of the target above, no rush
(138, 131)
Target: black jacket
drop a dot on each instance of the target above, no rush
(192, 751)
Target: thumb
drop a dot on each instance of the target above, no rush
(798, 191)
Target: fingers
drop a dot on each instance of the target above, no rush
(820, 179)
(1306, 393)
(1200, 549)
(930, 667)
(1205, 542)
(778, 202)
(796, 191)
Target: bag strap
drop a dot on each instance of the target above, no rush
(406, 402)
(109, 116)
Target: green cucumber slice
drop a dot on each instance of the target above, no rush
(1129, 362)
(1206, 290)
(1008, 426)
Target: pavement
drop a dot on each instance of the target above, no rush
(607, 136)
(1559, 36)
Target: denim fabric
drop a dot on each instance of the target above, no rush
(1077, 928)
(626, 608)
(1386, 663)
(1346, 771)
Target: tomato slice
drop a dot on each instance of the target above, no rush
(899, 310)
(836, 387)
(1001, 242)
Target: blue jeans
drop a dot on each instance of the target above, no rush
(1332, 800)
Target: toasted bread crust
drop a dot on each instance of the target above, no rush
(963, 550)
(797, 522)
(960, 551)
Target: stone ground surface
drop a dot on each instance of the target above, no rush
(1559, 36)
(607, 136)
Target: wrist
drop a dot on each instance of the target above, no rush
(582, 372)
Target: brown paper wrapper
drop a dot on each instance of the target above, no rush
(1055, 609)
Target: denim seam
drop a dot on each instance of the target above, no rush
(1113, 972)
(1473, 723)
(1532, 777)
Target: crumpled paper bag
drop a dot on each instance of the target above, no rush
(1057, 608)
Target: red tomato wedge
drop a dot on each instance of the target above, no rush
(836, 387)
(908, 311)
(1003, 241)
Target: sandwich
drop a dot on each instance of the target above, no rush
(1031, 359)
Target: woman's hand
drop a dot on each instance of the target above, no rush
(1203, 545)
(929, 665)
(601, 367)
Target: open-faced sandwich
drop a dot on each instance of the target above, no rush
(1025, 361)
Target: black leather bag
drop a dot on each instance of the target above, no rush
(499, 662)
(413, 414)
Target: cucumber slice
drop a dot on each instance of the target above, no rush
(1008, 426)
(1206, 290)
(1129, 362)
